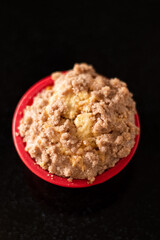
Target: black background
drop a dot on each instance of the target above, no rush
(119, 40)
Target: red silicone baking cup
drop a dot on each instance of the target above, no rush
(27, 99)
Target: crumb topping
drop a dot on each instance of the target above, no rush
(82, 125)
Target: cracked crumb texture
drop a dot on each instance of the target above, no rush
(81, 126)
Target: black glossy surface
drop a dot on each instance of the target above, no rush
(119, 40)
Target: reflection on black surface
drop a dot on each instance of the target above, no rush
(81, 201)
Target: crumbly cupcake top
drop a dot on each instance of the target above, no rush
(82, 125)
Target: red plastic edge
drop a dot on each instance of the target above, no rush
(45, 175)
